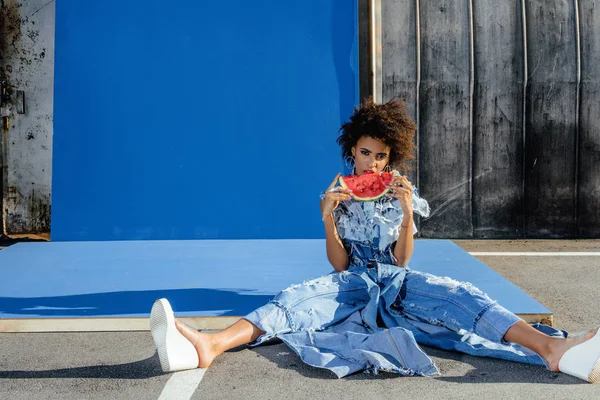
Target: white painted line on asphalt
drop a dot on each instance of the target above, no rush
(182, 384)
(535, 253)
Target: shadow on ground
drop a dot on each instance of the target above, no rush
(482, 369)
(143, 369)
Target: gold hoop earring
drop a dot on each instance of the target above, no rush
(387, 168)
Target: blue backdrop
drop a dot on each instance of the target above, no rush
(196, 119)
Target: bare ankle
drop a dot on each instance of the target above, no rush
(217, 344)
(553, 347)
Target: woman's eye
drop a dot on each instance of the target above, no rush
(382, 156)
(364, 153)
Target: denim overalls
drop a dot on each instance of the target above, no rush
(371, 316)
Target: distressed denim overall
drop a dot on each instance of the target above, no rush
(372, 316)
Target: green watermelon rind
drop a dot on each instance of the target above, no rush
(357, 198)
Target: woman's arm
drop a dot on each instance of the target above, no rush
(336, 253)
(403, 249)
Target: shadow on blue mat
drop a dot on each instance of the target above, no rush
(185, 302)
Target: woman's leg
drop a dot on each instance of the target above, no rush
(210, 345)
(549, 348)
(460, 305)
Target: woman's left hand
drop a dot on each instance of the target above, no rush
(402, 191)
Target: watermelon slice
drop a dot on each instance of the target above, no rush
(368, 187)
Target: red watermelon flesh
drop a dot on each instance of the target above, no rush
(367, 187)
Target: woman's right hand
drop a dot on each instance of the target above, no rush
(333, 196)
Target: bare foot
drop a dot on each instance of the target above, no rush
(203, 343)
(560, 346)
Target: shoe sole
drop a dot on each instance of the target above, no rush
(595, 374)
(159, 324)
(175, 352)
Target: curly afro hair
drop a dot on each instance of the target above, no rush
(387, 122)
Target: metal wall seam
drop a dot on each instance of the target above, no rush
(524, 136)
(577, 114)
(417, 95)
(471, 113)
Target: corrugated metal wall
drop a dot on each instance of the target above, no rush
(507, 96)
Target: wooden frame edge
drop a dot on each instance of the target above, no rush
(104, 324)
(547, 319)
(141, 324)
(370, 50)
(377, 49)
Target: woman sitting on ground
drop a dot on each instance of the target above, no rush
(372, 310)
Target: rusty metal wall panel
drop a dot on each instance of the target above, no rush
(524, 160)
(27, 51)
(399, 56)
(444, 139)
(551, 119)
(400, 62)
(498, 120)
(589, 124)
(364, 44)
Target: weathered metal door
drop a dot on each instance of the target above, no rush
(26, 76)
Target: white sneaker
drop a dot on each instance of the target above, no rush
(174, 350)
(583, 360)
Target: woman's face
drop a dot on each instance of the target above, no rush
(370, 155)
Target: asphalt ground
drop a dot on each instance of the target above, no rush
(124, 365)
